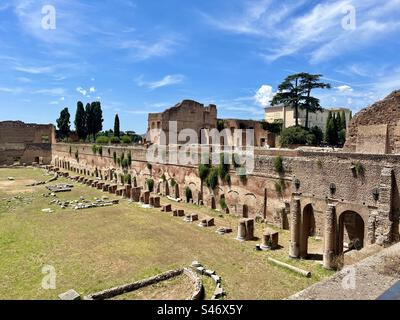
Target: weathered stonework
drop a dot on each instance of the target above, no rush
(25, 143)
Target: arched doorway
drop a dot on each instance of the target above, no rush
(307, 229)
(351, 230)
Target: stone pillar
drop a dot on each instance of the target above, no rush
(265, 204)
(294, 249)
(330, 253)
(242, 230)
(384, 219)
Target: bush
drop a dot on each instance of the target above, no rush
(204, 170)
(222, 203)
(359, 168)
(115, 140)
(275, 127)
(297, 135)
(102, 140)
(279, 186)
(212, 179)
(150, 184)
(129, 158)
(188, 193)
(126, 139)
(278, 164)
(128, 178)
(319, 135)
(100, 150)
(223, 169)
(94, 149)
(114, 157)
(173, 183)
(125, 163)
(163, 177)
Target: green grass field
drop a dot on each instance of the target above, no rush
(95, 249)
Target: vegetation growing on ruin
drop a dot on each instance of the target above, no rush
(114, 157)
(223, 169)
(220, 125)
(320, 163)
(163, 177)
(359, 168)
(223, 204)
(129, 158)
(94, 149)
(298, 135)
(115, 140)
(203, 171)
(172, 182)
(150, 184)
(100, 150)
(77, 155)
(70, 150)
(127, 178)
(212, 179)
(279, 187)
(278, 165)
(188, 194)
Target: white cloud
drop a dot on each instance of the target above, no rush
(92, 89)
(317, 31)
(344, 88)
(34, 70)
(81, 91)
(168, 80)
(264, 95)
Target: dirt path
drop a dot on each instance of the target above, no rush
(364, 280)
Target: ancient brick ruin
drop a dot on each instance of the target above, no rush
(25, 142)
(341, 196)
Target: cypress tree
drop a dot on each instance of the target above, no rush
(343, 124)
(80, 121)
(116, 126)
(89, 119)
(98, 118)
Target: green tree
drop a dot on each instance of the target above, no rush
(97, 118)
(89, 119)
(331, 132)
(343, 124)
(117, 132)
(63, 123)
(290, 93)
(80, 121)
(309, 103)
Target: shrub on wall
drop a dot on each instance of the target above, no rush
(359, 168)
(77, 155)
(102, 140)
(212, 179)
(149, 166)
(129, 158)
(114, 157)
(163, 177)
(223, 169)
(203, 171)
(188, 193)
(279, 187)
(222, 203)
(94, 149)
(100, 150)
(278, 164)
(128, 178)
(172, 183)
(125, 163)
(150, 184)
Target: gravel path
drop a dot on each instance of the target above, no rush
(364, 280)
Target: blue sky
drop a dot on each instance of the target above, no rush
(139, 56)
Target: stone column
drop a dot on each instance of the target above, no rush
(330, 237)
(242, 230)
(294, 249)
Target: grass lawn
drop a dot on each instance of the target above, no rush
(95, 249)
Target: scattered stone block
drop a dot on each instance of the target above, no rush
(200, 270)
(178, 213)
(209, 272)
(69, 295)
(196, 264)
(207, 222)
(11, 178)
(270, 240)
(216, 278)
(219, 292)
(47, 210)
(191, 217)
(224, 230)
(167, 208)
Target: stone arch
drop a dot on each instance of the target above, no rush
(351, 228)
(195, 191)
(307, 228)
(232, 200)
(250, 203)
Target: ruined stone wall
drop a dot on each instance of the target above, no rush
(25, 143)
(259, 192)
(376, 129)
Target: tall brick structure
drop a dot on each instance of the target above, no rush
(25, 142)
(376, 129)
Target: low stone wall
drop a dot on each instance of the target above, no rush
(197, 294)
